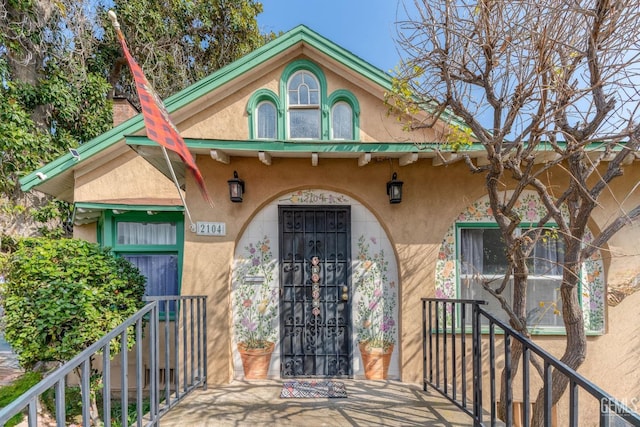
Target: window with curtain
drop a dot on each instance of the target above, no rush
(153, 244)
(341, 121)
(483, 260)
(303, 96)
(161, 271)
(266, 120)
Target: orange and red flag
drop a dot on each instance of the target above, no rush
(156, 118)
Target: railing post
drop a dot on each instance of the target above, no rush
(204, 339)
(431, 341)
(477, 365)
(507, 368)
(424, 345)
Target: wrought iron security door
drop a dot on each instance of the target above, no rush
(315, 291)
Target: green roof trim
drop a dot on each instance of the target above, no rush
(334, 146)
(128, 207)
(294, 146)
(219, 78)
(88, 212)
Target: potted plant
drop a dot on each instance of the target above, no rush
(375, 312)
(255, 305)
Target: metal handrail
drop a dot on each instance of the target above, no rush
(195, 374)
(444, 323)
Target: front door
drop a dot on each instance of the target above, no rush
(315, 291)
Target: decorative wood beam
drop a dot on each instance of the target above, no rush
(482, 161)
(314, 159)
(220, 156)
(364, 159)
(264, 157)
(443, 158)
(595, 155)
(629, 159)
(546, 157)
(408, 158)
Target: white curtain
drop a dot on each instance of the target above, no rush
(548, 257)
(472, 251)
(146, 233)
(543, 304)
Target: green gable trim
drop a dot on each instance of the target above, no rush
(295, 146)
(86, 150)
(88, 212)
(336, 146)
(300, 34)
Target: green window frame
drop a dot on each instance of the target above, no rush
(325, 106)
(168, 255)
(545, 315)
(258, 98)
(342, 96)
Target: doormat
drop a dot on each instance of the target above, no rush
(313, 389)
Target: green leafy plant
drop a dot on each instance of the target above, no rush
(61, 296)
(11, 392)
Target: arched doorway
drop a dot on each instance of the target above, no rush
(315, 273)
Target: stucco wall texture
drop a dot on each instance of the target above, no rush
(433, 196)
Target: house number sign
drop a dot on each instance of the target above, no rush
(211, 228)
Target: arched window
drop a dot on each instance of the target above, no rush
(302, 110)
(266, 120)
(303, 103)
(341, 121)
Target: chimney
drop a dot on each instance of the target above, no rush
(123, 110)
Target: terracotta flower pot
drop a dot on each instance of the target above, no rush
(376, 361)
(255, 361)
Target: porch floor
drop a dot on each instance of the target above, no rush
(369, 403)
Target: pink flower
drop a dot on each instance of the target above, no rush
(247, 303)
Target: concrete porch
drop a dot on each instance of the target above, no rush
(369, 403)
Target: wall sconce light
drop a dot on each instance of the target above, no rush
(236, 188)
(394, 189)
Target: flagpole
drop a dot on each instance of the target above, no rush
(192, 226)
(159, 126)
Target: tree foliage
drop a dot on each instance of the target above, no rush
(60, 65)
(63, 295)
(549, 89)
(179, 44)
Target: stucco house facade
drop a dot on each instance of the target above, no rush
(315, 258)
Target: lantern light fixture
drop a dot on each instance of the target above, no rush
(394, 189)
(236, 188)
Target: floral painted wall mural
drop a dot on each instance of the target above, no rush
(375, 314)
(530, 209)
(255, 296)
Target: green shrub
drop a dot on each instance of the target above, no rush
(61, 296)
(11, 392)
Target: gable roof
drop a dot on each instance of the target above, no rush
(57, 177)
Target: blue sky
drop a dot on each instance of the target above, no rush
(364, 27)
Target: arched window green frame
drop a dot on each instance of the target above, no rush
(265, 95)
(280, 102)
(310, 67)
(343, 95)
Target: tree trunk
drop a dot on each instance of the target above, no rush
(576, 340)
